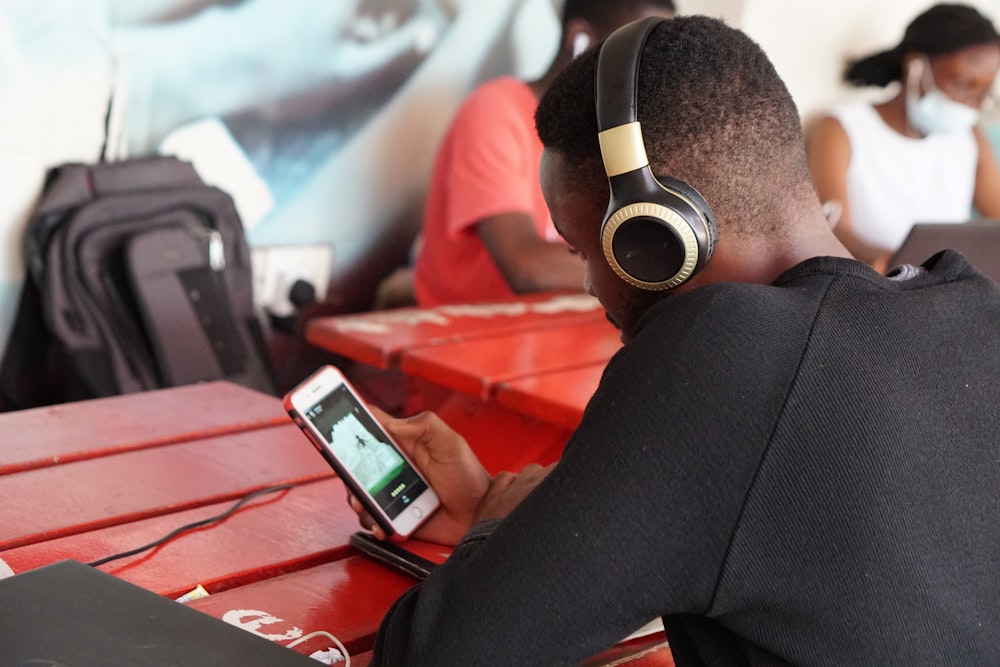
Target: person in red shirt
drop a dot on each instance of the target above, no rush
(486, 232)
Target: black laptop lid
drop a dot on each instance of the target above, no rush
(70, 615)
(978, 241)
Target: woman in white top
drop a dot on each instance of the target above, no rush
(919, 156)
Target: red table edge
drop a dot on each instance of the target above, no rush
(190, 436)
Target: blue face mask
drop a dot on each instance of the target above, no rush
(935, 112)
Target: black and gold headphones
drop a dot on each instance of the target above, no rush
(656, 233)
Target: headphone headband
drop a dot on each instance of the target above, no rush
(619, 132)
(618, 73)
(656, 234)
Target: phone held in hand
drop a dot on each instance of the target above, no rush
(337, 422)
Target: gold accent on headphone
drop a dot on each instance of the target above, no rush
(622, 149)
(671, 219)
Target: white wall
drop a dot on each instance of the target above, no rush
(729, 11)
(55, 78)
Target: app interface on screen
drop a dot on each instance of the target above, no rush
(358, 443)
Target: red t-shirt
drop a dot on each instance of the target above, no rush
(486, 166)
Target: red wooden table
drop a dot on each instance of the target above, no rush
(92, 479)
(380, 338)
(526, 367)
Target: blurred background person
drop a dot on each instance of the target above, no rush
(918, 156)
(486, 231)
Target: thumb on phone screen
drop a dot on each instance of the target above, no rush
(451, 468)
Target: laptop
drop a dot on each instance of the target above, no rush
(978, 241)
(71, 615)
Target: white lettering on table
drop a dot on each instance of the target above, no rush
(252, 620)
(383, 322)
(485, 309)
(576, 303)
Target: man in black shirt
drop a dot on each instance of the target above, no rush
(793, 459)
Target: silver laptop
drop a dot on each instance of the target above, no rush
(978, 241)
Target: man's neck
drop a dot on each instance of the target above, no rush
(761, 259)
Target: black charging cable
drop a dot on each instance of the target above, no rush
(197, 524)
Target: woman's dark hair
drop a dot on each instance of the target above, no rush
(943, 29)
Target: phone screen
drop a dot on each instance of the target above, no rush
(361, 446)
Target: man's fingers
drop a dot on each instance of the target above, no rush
(355, 504)
(364, 518)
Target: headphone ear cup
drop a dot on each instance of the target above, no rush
(662, 236)
(645, 249)
(703, 222)
(688, 192)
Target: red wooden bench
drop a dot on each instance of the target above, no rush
(98, 478)
(378, 338)
(59, 434)
(476, 367)
(559, 397)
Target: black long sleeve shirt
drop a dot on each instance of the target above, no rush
(797, 474)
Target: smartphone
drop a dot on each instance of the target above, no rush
(403, 557)
(337, 422)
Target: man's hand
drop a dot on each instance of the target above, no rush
(508, 490)
(450, 467)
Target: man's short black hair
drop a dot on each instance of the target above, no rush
(607, 13)
(713, 112)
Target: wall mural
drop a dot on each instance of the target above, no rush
(321, 117)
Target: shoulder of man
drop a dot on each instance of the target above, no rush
(733, 312)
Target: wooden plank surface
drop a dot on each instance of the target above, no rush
(502, 439)
(326, 598)
(558, 397)
(378, 338)
(653, 651)
(92, 479)
(476, 367)
(346, 598)
(270, 535)
(89, 429)
(89, 494)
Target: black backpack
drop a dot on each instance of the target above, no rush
(138, 276)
